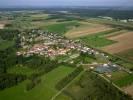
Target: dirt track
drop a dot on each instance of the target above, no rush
(124, 42)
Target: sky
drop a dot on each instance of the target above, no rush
(7, 3)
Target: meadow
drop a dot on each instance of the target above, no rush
(5, 44)
(90, 86)
(98, 40)
(61, 27)
(121, 78)
(23, 70)
(43, 91)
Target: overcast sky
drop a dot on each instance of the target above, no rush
(7, 3)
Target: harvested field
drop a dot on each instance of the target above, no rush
(87, 30)
(129, 90)
(40, 15)
(2, 26)
(115, 33)
(128, 54)
(124, 42)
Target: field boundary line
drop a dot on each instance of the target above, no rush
(53, 98)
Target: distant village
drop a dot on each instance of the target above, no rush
(51, 45)
(120, 20)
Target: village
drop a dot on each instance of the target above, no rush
(52, 45)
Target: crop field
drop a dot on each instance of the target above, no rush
(31, 21)
(42, 24)
(43, 91)
(73, 89)
(116, 33)
(129, 89)
(124, 42)
(87, 29)
(87, 80)
(98, 40)
(5, 44)
(62, 28)
(122, 78)
(18, 69)
(127, 54)
(111, 23)
(40, 16)
(1, 26)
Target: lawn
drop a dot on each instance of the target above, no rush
(61, 28)
(43, 91)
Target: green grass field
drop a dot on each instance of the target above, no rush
(95, 41)
(70, 87)
(61, 28)
(98, 40)
(41, 15)
(5, 44)
(22, 70)
(122, 78)
(43, 91)
(91, 87)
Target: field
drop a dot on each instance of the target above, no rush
(18, 69)
(98, 40)
(37, 16)
(5, 44)
(127, 54)
(71, 87)
(86, 29)
(124, 40)
(116, 33)
(3, 23)
(86, 86)
(61, 27)
(112, 23)
(121, 78)
(129, 89)
(2, 26)
(95, 41)
(43, 91)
